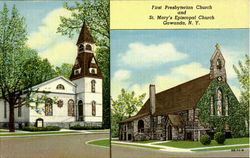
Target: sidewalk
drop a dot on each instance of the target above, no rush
(172, 149)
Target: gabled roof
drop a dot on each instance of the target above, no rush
(54, 79)
(217, 51)
(85, 35)
(84, 62)
(182, 97)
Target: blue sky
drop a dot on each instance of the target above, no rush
(42, 19)
(170, 57)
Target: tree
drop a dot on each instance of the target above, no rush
(64, 70)
(125, 106)
(242, 72)
(20, 67)
(102, 55)
(96, 14)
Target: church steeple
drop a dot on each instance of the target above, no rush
(85, 42)
(85, 63)
(217, 65)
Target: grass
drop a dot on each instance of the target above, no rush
(98, 130)
(196, 144)
(138, 146)
(224, 148)
(104, 142)
(41, 133)
(146, 141)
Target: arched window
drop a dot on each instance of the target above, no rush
(218, 64)
(219, 102)
(49, 107)
(88, 47)
(71, 107)
(212, 106)
(60, 87)
(140, 126)
(81, 47)
(93, 82)
(93, 108)
(226, 106)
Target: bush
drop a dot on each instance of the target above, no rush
(79, 127)
(205, 139)
(35, 129)
(219, 137)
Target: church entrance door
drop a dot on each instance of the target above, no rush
(80, 110)
(169, 132)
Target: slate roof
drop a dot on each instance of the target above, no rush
(85, 35)
(182, 97)
(84, 60)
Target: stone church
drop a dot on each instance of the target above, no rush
(174, 114)
(79, 100)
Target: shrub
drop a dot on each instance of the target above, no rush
(48, 128)
(219, 137)
(205, 139)
(79, 127)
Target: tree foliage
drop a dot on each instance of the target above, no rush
(242, 72)
(123, 107)
(20, 67)
(64, 70)
(93, 12)
(235, 119)
(102, 55)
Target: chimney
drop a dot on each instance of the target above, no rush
(152, 98)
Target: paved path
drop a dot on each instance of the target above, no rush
(131, 152)
(70, 146)
(171, 149)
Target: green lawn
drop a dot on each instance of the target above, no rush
(138, 146)
(224, 148)
(104, 142)
(146, 141)
(196, 144)
(98, 130)
(42, 133)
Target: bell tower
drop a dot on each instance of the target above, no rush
(85, 42)
(87, 76)
(217, 65)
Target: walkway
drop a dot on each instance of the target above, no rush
(171, 149)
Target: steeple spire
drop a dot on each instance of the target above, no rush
(85, 35)
(217, 67)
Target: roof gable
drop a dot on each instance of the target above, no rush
(85, 35)
(182, 97)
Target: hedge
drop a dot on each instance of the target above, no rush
(79, 127)
(48, 128)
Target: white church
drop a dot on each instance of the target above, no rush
(78, 100)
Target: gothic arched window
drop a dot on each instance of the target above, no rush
(212, 106)
(140, 126)
(48, 107)
(93, 82)
(218, 64)
(93, 108)
(60, 86)
(71, 107)
(226, 106)
(219, 102)
(88, 47)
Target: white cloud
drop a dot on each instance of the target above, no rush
(236, 91)
(179, 74)
(122, 75)
(140, 55)
(62, 52)
(176, 76)
(48, 43)
(232, 57)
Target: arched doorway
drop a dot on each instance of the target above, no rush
(80, 110)
(140, 126)
(169, 132)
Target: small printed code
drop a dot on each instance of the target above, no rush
(237, 149)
